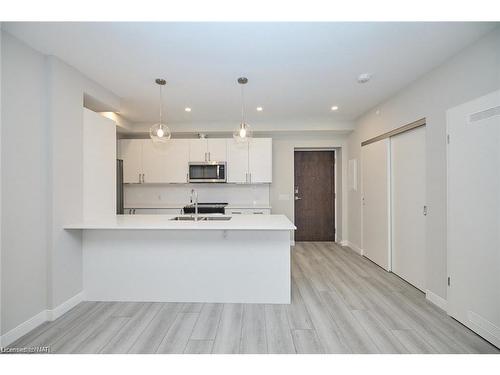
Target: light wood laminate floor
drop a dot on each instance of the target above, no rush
(341, 303)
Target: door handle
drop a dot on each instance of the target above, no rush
(297, 198)
(425, 210)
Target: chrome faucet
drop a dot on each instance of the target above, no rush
(194, 194)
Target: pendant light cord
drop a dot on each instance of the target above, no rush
(242, 105)
(161, 105)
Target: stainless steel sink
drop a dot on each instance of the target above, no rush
(217, 218)
(201, 218)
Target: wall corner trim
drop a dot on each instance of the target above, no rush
(436, 300)
(64, 307)
(352, 246)
(40, 318)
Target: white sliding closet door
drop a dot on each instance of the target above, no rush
(474, 215)
(408, 201)
(375, 206)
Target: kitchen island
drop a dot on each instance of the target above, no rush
(230, 259)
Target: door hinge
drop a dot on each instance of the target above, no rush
(448, 280)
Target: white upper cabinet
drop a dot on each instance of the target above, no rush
(131, 153)
(213, 149)
(260, 160)
(176, 161)
(145, 162)
(237, 162)
(153, 162)
(198, 150)
(217, 149)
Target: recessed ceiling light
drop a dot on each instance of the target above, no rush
(187, 109)
(364, 77)
(335, 107)
(260, 109)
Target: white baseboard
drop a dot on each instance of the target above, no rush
(436, 300)
(23, 328)
(64, 307)
(354, 247)
(38, 319)
(484, 328)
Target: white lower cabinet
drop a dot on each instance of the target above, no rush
(247, 211)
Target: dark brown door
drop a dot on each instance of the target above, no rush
(314, 196)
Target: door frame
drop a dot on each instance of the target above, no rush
(335, 197)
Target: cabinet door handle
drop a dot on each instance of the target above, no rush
(258, 213)
(250, 177)
(140, 178)
(143, 178)
(236, 212)
(209, 157)
(187, 177)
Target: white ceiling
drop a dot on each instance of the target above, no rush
(296, 71)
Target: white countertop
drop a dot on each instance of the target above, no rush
(181, 205)
(163, 222)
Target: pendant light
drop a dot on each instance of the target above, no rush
(243, 133)
(160, 133)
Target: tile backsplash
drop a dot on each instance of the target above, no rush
(178, 194)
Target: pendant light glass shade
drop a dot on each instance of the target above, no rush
(160, 133)
(243, 133)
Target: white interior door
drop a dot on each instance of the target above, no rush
(408, 200)
(376, 200)
(474, 215)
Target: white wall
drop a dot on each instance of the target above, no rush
(67, 87)
(282, 194)
(1, 130)
(42, 151)
(24, 183)
(473, 72)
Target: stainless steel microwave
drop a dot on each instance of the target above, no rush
(210, 171)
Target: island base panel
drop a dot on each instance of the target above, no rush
(187, 266)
